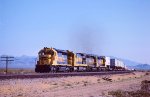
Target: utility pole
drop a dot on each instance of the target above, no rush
(7, 59)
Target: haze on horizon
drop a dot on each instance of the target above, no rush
(117, 28)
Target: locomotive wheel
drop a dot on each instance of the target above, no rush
(71, 69)
(67, 69)
(53, 69)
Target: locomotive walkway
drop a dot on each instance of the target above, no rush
(59, 74)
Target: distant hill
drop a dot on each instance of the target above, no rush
(142, 67)
(130, 63)
(29, 62)
(21, 62)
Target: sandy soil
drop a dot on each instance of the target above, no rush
(85, 86)
(16, 71)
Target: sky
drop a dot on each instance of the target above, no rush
(119, 28)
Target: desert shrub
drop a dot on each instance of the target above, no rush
(85, 81)
(107, 79)
(143, 92)
(54, 84)
(118, 78)
(20, 95)
(147, 73)
(117, 93)
(84, 84)
(98, 80)
(91, 96)
(68, 84)
(145, 85)
(138, 93)
(77, 83)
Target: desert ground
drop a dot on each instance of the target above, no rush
(17, 71)
(77, 86)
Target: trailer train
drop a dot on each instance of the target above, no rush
(54, 60)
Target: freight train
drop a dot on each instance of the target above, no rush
(55, 60)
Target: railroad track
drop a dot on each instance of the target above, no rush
(51, 75)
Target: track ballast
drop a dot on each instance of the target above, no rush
(51, 75)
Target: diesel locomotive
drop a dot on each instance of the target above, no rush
(55, 60)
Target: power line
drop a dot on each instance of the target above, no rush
(7, 59)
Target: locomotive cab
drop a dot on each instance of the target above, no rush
(91, 61)
(65, 60)
(46, 58)
(51, 59)
(80, 62)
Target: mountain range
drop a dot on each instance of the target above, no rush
(21, 62)
(30, 61)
